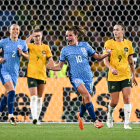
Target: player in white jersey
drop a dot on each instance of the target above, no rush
(80, 74)
(12, 48)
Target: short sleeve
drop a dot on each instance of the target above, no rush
(106, 46)
(131, 51)
(1, 42)
(90, 50)
(62, 56)
(48, 51)
(29, 45)
(25, 47)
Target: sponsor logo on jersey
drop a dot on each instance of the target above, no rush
(6, 76)
(77, 81)
(20, 46)
(83, 50)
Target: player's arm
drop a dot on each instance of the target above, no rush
(56, 68)
(31, 36)
(113, 70)
(101, 56)
(51, 62)
(25, 55)
(131, 63)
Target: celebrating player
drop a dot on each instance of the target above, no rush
(36, 72)
(12, 48)
(119, 76)
(80, 73)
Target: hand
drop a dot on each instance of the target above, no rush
(134, 81)
(114, 71)
(20, 50)
(48, 66)
(36, 34)
(55, 75)
(2, 60)
(108, 51)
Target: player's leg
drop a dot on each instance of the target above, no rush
(114, 88)
(126, 91)
(10, 100)
(3, 102)
(81, 113)
(40, 90)
(32, 85)
(89, 106)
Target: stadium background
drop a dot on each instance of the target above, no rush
(61, 101)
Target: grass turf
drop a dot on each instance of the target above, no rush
(54, 131)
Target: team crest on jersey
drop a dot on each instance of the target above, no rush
(43, 53)
(83, 50)
(77, 81)
(20, 46)
(6, 76)
(125, 50)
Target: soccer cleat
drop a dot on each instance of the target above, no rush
(81, 121)
(98, 124)
(12, 121)
(35, 121)
(109, 121)
(126, 126)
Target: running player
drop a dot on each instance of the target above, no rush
(80, 73)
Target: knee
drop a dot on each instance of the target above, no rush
(127, 100)
(87, 98)
(114, 102)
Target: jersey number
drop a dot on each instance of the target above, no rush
(120, 58)
(14, 52)
(37, 58)
(79, 59)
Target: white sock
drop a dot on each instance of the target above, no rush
(127, 112)
(0, 113)
(10, 116)
(39, 106)
(111, 110)
(33, 106)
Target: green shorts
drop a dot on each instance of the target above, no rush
(34, 82)
(114, 86)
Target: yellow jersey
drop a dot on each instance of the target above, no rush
(37, 60)
(119, 58)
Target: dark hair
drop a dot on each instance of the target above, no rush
(37, 29)
(121, 24)
(78, 30)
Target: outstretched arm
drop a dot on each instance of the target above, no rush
(56, 68)
(102, 56)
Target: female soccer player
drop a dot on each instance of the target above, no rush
(80, 73)
(12, 48)
(119, 76)
(36, 72)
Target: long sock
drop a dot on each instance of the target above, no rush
(111, 110)
(3, 103)
(33, 106)
(82, 110)
(90, 108)
(10, 101)
(39, 106)
(127, 112)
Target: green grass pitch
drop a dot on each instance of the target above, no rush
(63, 131)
